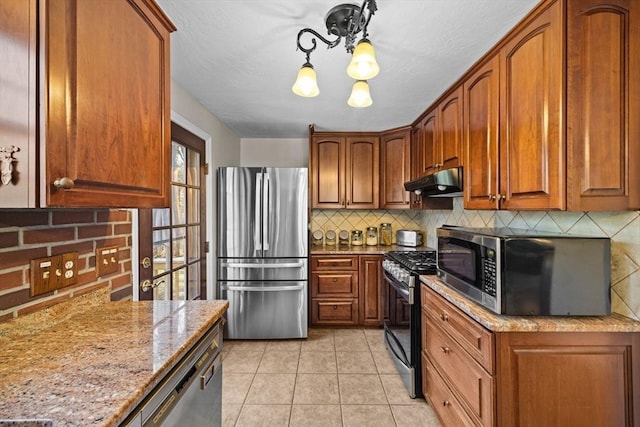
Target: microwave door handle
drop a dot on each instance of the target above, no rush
(257, 220)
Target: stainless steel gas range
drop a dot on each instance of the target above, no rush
(402, 329)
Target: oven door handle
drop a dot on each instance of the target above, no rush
(401, 357)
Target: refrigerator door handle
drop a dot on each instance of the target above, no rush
(265, 288)
(266, 189)
(299, 264)
(257, 241)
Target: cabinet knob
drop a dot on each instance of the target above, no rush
(437, 165)
(491, 197)
(334, 280)
(335, 307)
(446, 403)
(65, 183)
(502, 197)
(445, 350)
(444, 317)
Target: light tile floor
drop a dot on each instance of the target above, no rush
(336, 377)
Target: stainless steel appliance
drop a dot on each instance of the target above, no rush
(191, 395)
(411, 238)
(402, 329)
(524, 272)
(262, 251)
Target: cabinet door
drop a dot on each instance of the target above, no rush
(417, 167)
(327, 172)
(18, 29)
(371, 290)
(568, 379)
(363, 172)
(429, 143)
(395, 169)
(481, 137)
(532, 160)
(106, 103)
(603, 105)
(449, 149)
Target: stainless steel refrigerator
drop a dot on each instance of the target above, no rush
(262, 251)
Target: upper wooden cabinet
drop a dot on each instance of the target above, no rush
(104, 125)
(344, 171)
(481, 111)
(441, 135)
(532, 160)
(395, 168)
(603, 104)
(513, 104)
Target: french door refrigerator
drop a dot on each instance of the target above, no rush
(262, 251)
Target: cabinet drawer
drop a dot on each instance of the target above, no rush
(441, 399)
(341, 285)
(475, 339)
(334, 312)
(465, 376)
(334, 263)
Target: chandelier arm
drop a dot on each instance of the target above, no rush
(330, 43)
(371, 7)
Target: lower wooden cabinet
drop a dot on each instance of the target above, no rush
(473, 376)
(346, 290)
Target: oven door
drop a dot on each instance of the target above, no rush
(402, 333)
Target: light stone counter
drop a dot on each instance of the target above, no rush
(499, 323)
(91, 362)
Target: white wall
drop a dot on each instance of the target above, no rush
(223, 149)
(274, 152)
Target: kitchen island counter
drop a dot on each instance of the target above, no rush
(499, 323)
(89, 361)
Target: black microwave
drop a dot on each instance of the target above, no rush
(525, 272)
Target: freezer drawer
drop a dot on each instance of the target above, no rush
(243, 269)
(265, 310)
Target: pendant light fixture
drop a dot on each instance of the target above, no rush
(344, 20)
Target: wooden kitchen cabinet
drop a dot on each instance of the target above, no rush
(513, 109)
(442, 134)
(344, 170)
(346, 290)
(603, 104)
(395, 168)
(371, 290)
(104, 125)
(473, 376)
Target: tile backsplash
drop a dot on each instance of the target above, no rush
(343, 219)
(622, 227)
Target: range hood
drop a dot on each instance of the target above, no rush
(446, 183)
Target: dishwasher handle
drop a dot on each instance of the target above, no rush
(210, 372)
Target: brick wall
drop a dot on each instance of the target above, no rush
(29, 234)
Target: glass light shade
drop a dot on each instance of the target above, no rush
(360, 96)
(363, 65)
(306, 84)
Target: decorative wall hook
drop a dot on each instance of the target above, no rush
(6, 160)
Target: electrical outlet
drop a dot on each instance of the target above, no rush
(107, 260)
(69, 265)
(54, 272)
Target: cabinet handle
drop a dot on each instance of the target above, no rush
(444, 317)
(65, 183)
(491, 197)
(445, 350)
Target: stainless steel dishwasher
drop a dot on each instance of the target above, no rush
(191, 395)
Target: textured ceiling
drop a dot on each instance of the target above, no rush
(239, 59)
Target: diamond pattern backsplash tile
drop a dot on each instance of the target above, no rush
(329, 219)
(622, 227)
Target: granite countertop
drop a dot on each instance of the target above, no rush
(89, 361)
(360, 250)
(499, 323)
